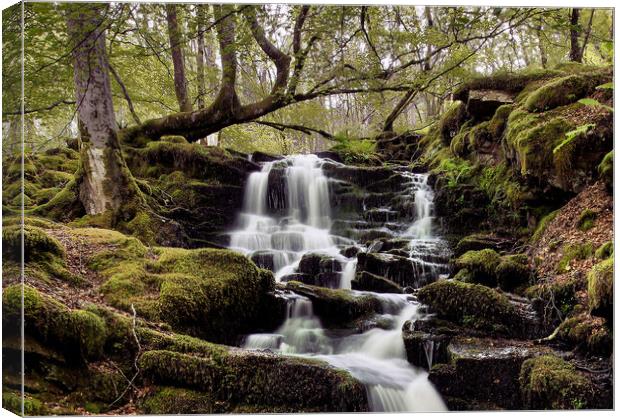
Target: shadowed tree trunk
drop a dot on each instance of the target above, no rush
(541, 45)
(575, 30)
(180, 81)
(105, 183)
(200, 56)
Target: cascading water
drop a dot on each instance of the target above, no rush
(305, 225)
(376, 357)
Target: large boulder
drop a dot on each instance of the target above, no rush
(549, 382)
(261, 381)
(484, 371)
(473, 305)
(373, 283)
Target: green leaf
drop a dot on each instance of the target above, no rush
(608, 86)
(593, 102)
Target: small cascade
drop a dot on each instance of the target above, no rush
(348, 274)
(301, 332)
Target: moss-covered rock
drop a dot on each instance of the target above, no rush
(588, 334)
(337, 307)
(513, 272)
(44, 256)
(470, 304)
(548, 382)
(605, 251)
(171, 400)
(558, 92)
(215, 294)
(78, 334)
(606, 169)
(600, 289)
(451, 121)
(586, 219)
(14, 402)
(238, 377)
(481, 265)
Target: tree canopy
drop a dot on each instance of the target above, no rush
(279, 77)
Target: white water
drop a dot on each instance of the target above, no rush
(375, 357)
(305, 226)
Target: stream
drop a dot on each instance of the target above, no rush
(288, 215)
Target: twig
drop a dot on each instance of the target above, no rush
(135, 361)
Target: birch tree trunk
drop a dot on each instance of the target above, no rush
(180, 81)
(104, 182)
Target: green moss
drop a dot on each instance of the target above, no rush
(586, 334)
(511, 82)
(481, 265)
(169, 400)
(532, 140)
(571, 253)
(12, 401)
(175, 139)
(586, 219)
(542, 226)
(606, 169)
(548, 382)
(259, 379)
(458, 301)
(512, 272)
(451, 121)
(558, 92)
(600, 289)
(65, 205)
(605, 251)
(44, 257)
(76, 333)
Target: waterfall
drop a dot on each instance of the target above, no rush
(280, 242)
(277, 232)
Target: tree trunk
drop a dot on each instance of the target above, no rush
(105, 183)
(541, 45)
(180, 82)
(575, 30)
(200, 56)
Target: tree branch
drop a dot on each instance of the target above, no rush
(125, 94)
(300, 128)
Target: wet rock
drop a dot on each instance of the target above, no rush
(261, 157)
(332, 155)
(263, 259)
(485, 370)
(373, 283)
(350, 251)
(359, 176)
(298, 277)
(479, 307)
(404, 147)
(260, 380)
(476, 242)
(315, 263)
(400, 270)
(337, 307)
